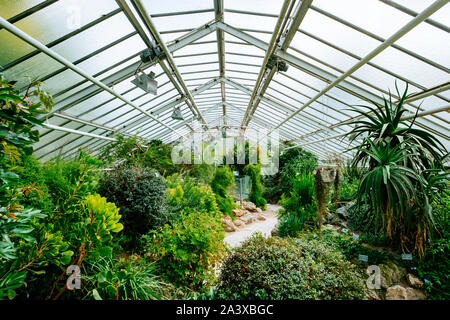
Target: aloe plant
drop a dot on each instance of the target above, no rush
(406, 171)
(384, 123)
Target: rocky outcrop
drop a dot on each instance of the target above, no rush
(399, 292)
(396, 292)
(238, 212)
(228, 224)
(413, 281)
(391, 274)
(250, 206)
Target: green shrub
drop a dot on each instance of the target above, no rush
(362, 218)
(114, 279)
(184, 193)
(351, 248)
(138, 152)
(276, 268)
(292, 225)
(140, 195)
(222, 182)
(271, 189)
(348, 189)
(293, 162)
(203, 173)
(434, 268)
(188, 250)
(254, 171)
(299, 208)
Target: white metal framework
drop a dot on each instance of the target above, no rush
(221, 64)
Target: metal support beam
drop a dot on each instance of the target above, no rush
(218, 11)
(405, 29)
(38, 45)
(141, 9)
(276, 35)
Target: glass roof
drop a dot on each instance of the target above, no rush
(214, 66)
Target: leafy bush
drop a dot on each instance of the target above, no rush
(203, 173)
(188, 250)
(138, 152)
(140, 195)
(434, 267)
(362, 218)
(348, 189)
(184, 193)
(276, 268)
(254, 171)
(113, 279)
(299, 207)
(222, 182)
(352, 248)
(293, 224)
(292, 162)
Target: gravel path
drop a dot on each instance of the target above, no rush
(234, 239)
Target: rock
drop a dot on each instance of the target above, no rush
(250, 206)
(391, 274)
(261, 217)
(372, 295)
(238, 212)
(413, 281)
(259, 210)
(239, 223)
(414, 294)
(228, 224)
(248, 218)
(396, 292)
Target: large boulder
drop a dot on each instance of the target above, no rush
(399, 292)
(248, 218)
(414, 294)
(250, 206)
(413, 281)
(238, 212)
(396, 292)
(391, 274)
(228, 224)
(239, 223)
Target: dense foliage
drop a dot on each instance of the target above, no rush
(292, 161)
(185, 193)
(299, 207)
(406, 172)
(137, 152)
(276, 268)
(255, 196)
(221, 184)
(188, 250)
(113, 279)
(140, 195)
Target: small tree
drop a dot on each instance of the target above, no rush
(254, 171)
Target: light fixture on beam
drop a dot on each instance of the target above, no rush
(146, 82)
(176, 114)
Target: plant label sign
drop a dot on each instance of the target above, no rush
(363, 257)
(407, 256)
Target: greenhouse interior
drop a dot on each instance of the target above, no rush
(224, 150)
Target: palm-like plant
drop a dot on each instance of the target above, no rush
(389, 186)
(406, 171)
(384, 123)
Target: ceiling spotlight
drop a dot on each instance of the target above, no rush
(176, 115)
(146, 82)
